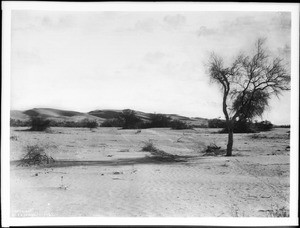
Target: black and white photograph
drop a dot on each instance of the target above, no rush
(170, 113)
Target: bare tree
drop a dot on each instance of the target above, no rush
(248, 84)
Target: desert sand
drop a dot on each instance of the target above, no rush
(103, 172)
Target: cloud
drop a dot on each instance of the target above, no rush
(174, 21)
(60, 22)
(243, 24)
(285, 53)
(229, 27)
(26, 56)
(282, 21)
(259, 24)
(154, 57)
(204, 31)
(147, 25)
(31, 21)
(152, 24)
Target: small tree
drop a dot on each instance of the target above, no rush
(263, 125)
(39, 123)
(247, 85)
(159, 120)
(180, 125)
(129, 119)
(114, 122)
(216, 123)
(90, 123)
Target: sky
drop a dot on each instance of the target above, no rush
(147, 61)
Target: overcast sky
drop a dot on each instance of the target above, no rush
(147, 61)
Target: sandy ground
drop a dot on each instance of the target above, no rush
(104, 173)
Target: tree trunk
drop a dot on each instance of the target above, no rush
(230, 141)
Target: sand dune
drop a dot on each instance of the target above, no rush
(53, 114)
(98, 115)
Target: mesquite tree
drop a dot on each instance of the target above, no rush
(247, 84)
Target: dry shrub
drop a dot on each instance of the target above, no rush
(35, 155)
(213, 150)
(39, 124)
(158, 154)
(14, 138)
(149, 147)
(278, 212)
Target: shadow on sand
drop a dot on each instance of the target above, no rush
(115, 162)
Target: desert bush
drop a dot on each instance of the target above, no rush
(258, 136)
(158, 154)
(19, 123)
(263, 126)
(159, 120)
(70, 124)
(214, 150)
(35, 155)
(115, 122)
(283, 126)
(14, 138)
(130, 120)
(39, 124)
(89, 123)
(246, 126)
(216, 123)
(278, 212)
(241, 127)
(179, 125)
(149, 147)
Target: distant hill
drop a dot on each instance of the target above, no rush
(98, 115)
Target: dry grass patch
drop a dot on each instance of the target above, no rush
(36, 155)
(278, 212)
(214, 150)
(158, 154)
